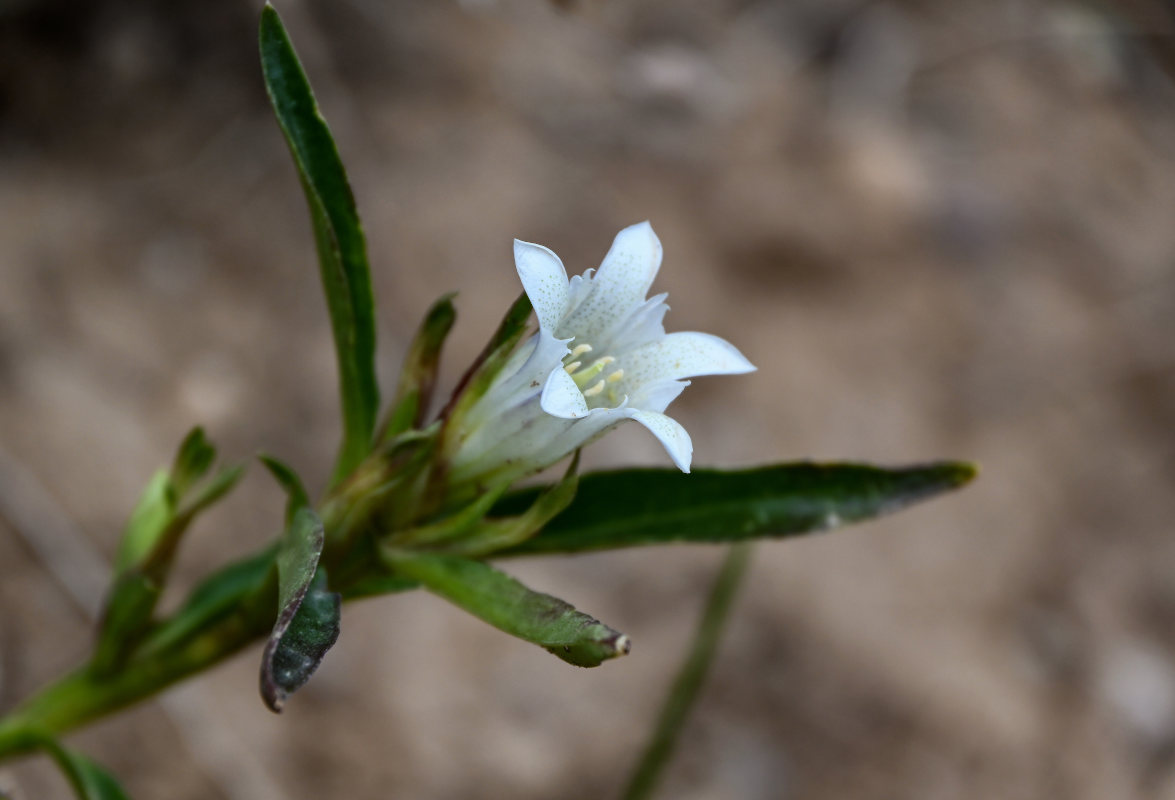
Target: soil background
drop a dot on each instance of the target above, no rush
(939, 230)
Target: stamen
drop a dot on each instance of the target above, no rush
(580, 350)
(596, 389)
(615, 376)
(573, 366)
(592, 370)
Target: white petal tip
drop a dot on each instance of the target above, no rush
(562, 397)
(672, 436)
(544, 279)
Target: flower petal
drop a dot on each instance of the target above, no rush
(545, 281)
(643, 325)
(669, 432)
(631, 263)
(656, 396)
(620, 285)
(561, 397)
(683, 355)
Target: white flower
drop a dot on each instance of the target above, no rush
(601, 357)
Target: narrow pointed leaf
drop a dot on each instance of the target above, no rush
(313, 630)
(288, 479)
(654, 506)
(193, 460)
(215, 597)
(419, 373)
(215, 488)
(89, 781)
(505, 603)
(338, 234)
(148, 520)
(299, 639)
(150, 540)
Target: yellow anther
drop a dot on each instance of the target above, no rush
(596, 389)
(580, 349)
(616, 376)
(573, 366)
(594, 369)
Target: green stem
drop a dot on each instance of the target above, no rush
(200, 635)
(691, 677)
(82, 696)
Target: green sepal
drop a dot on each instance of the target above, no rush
(490, 360)
(452, 527)
(88, 780)
(492, 535)
(384, 492)
(338, 235)
(419, 374)
(626, 508)
(308, 614)
(508, 605)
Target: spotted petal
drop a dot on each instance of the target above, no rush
(621, 283)
(671, 435)
(545, 281)
(683, 355)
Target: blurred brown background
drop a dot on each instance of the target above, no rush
(940, 230)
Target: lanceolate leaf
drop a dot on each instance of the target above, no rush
(149, 542)
(503, 602)
(193, 460)
(313, 631)
(655, 506)
(342, 250)
(89, 781)
(220, 594)
(289, 480)
(308, 616)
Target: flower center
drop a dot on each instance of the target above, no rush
(596, 380)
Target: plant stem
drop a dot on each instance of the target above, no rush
(83, 696)
(690, 677)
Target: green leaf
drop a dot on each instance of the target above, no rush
(376, 585)
(193, 460)
(503, 602)
(308, 615)
(419, 373)
(218, 595)
(127, 614)
(149, 542)
(338, 234)
(89, 781)
(221, 484)
(654, 506)
(313, 631)
(289, 480)
(148, 521)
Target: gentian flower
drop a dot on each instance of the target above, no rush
(601, 356)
